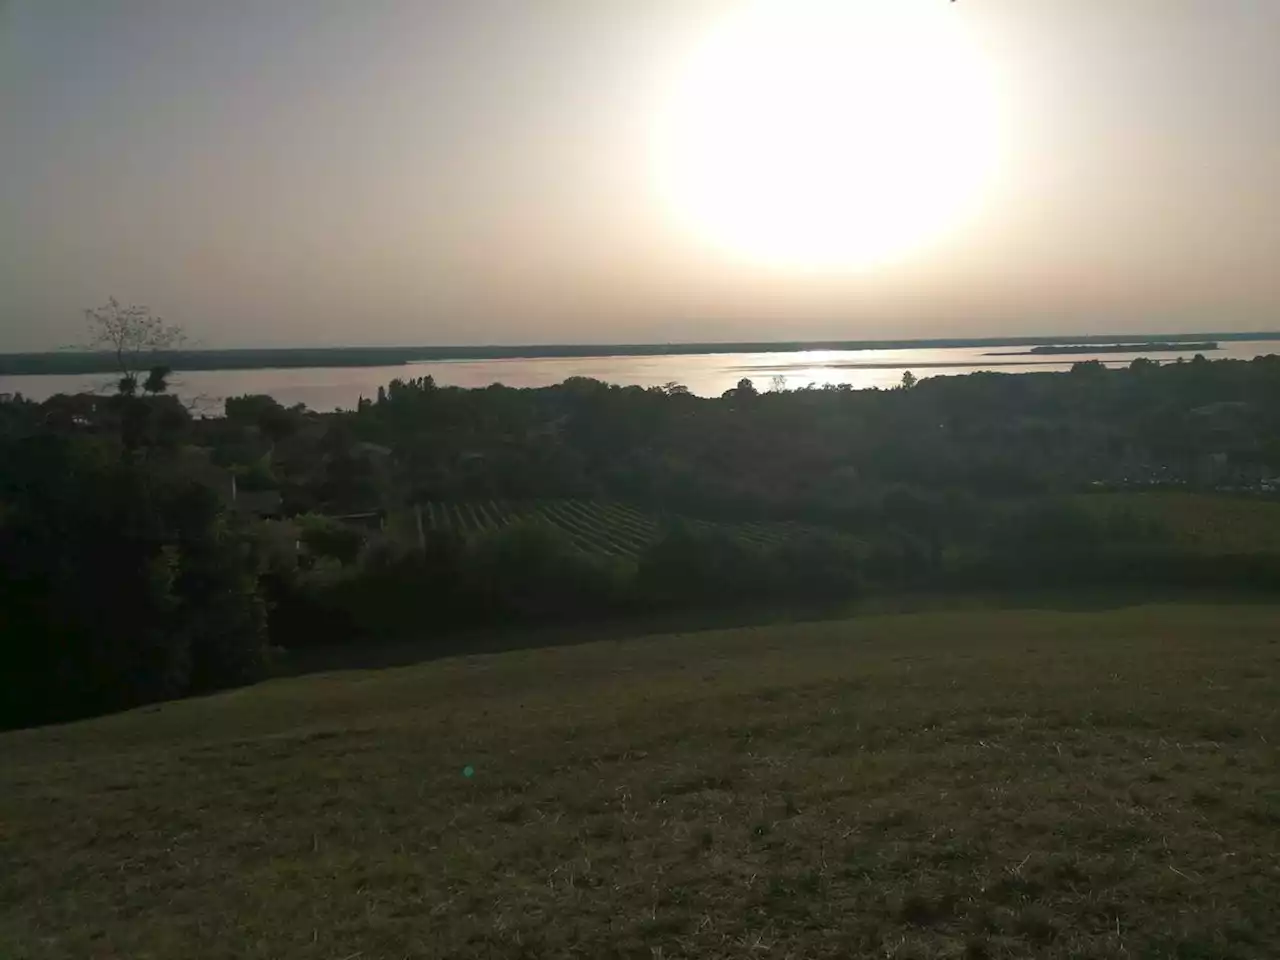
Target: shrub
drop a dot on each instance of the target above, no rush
(816, 567)
(701, 567)
(531, 570)
(327, 537)
(523, 573)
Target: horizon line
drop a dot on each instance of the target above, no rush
(695, 345)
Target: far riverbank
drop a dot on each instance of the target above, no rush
(285, 358)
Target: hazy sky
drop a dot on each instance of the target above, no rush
(277, 172)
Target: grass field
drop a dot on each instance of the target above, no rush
(966, 784)
(1211, 523)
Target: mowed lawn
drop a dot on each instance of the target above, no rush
(978, 784)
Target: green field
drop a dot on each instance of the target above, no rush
(977, 784)
(597, 527)
(1209, 523)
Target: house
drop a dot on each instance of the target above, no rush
(263, 504)
(372, 520)
(196, 464)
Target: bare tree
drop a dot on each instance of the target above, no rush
(138, 339)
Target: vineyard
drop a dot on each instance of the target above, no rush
(596, 527)
(1209, 524)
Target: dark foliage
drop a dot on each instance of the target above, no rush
(700, 568)
(128, 573)
(831, 455)
(117, 586)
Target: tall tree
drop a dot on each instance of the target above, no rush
(137, 339)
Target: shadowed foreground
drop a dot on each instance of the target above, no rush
(986, 784)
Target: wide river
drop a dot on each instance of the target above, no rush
(709, 375)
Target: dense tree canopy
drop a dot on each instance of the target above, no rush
(144, 553)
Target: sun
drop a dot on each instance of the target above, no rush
(830, 133)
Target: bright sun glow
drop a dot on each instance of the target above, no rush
(831, 133)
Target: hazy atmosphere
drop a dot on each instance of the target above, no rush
(326, 172)
(668, 479)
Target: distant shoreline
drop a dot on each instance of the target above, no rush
(1150, 346)
(68, 362)
(937, 364)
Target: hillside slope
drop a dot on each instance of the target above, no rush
(986, 784)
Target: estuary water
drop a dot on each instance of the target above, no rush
(708, 375)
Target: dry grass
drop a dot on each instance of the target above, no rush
(972, 785)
